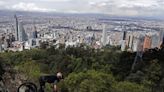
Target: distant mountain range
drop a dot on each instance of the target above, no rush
(94, 15)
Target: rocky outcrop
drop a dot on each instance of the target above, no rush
(12, 79)
(2, 87)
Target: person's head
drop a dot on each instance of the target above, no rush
(59, 75)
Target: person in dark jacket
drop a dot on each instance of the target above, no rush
(52, 79)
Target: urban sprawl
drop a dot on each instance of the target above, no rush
(18, 32)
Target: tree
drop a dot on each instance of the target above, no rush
(31, 69)
(129, 87)
(90, 81)
(153, 74)
(1, 68)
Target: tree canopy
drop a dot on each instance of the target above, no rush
(91, 70)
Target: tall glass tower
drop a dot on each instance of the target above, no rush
(21, 32)
(16, 28)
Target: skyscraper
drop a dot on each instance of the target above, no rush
(141, 41)
(34, 33)
(16, 28)
(104, 35)
(147, 42)
(161, 35)
(155, 41)
(139, 54)
(131, 41)
(124, 35)
(128, 41)
(123, 44)
(137, 43)
(22, 36)
(0, 46)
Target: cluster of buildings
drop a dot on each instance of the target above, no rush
(142, 42)
(129, 35)
(18, 39)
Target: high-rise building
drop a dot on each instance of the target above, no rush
(137, 43)
(7, 41)
(124, 35)
(139, 53)
(131, 41)
(32, 42)
(163, 41)
(155, 41)
(38, 42)
(135, 46)
(16, 28)
(1, 45)
(104, 35)
(34, 33)
(123, 44)
(128, 41)
(161, 35)
(141, 40)
(147, 42)
(22, 36)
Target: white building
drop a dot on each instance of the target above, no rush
(155, 41)
(123, 45)
(104, 35)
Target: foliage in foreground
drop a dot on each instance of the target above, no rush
(89, 70)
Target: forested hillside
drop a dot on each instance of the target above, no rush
(89, 70)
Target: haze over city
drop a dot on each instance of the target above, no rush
(97, 45)
(144, 8)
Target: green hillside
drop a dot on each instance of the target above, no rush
(89, 70)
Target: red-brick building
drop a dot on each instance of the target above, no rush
(147, 43)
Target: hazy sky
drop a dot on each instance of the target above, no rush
(112, 7)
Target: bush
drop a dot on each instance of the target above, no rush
(90, 81)
(30, 69)
(129, 87)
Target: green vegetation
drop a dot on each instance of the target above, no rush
(89, 70)
(1, 70)
(90, 81)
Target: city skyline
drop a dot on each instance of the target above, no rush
(130, 8)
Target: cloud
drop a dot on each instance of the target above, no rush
(112, 7)
(30, 7)
(55, 0)
(129, 7)
(2, 3)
